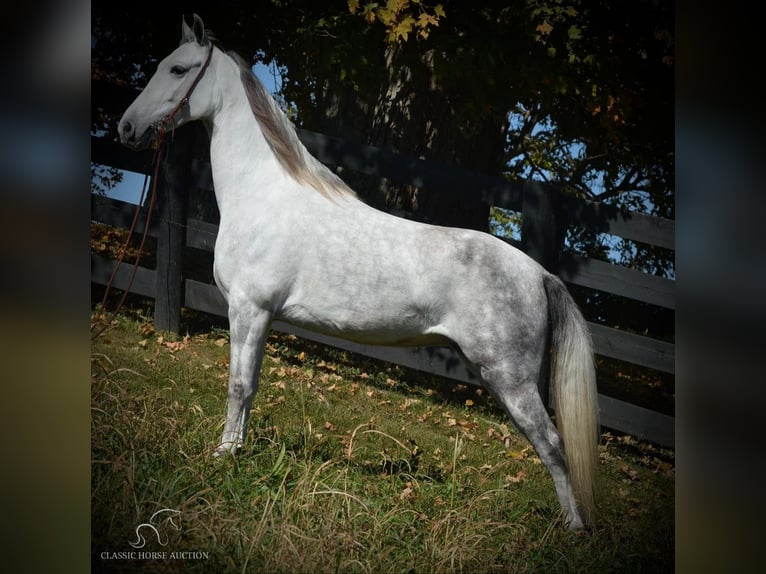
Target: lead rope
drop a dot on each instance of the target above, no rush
(161, 130)
(152, 199)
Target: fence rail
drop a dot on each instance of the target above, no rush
(542, 224)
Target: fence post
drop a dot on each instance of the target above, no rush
(541, 226)
(173, 191)
(542, 237)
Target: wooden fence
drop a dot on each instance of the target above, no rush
(544, 215)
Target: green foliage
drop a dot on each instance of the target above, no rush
(505, 223)
(350, 466)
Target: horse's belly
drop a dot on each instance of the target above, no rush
(369, 324)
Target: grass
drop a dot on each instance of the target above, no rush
(351, 465)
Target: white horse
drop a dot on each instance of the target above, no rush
(296, 244)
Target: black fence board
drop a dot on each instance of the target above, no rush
(619, 280)
(632, 348)
(144, 282)
(637, 421)
(603, 218)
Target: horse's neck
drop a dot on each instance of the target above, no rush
(240, 157)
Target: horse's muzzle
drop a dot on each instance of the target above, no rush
(130, 136)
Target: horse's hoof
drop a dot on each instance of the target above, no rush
(223, 450)
(575, 525)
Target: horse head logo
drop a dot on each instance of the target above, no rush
(153, 524)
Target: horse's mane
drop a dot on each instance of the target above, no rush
(281, 137)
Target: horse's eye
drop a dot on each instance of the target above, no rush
(178, 70)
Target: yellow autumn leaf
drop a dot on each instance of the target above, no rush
(425, 20)
(369, 14)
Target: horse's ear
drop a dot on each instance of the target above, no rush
(187, 35)
(194, 34)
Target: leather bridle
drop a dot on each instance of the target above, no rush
(162, 127)
(167, 120)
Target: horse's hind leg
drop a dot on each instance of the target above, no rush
(518, 393)
(249, 329)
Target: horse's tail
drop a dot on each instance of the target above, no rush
(573, 378)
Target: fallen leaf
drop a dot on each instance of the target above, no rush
(146, 329)
(408, 403)
(518, 454)
(518, 477)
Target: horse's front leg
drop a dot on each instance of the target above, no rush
(249, 329)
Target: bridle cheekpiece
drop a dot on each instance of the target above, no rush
(167, 121)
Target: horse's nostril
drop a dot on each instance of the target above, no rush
(126, 129)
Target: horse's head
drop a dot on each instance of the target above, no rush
(180, 91)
